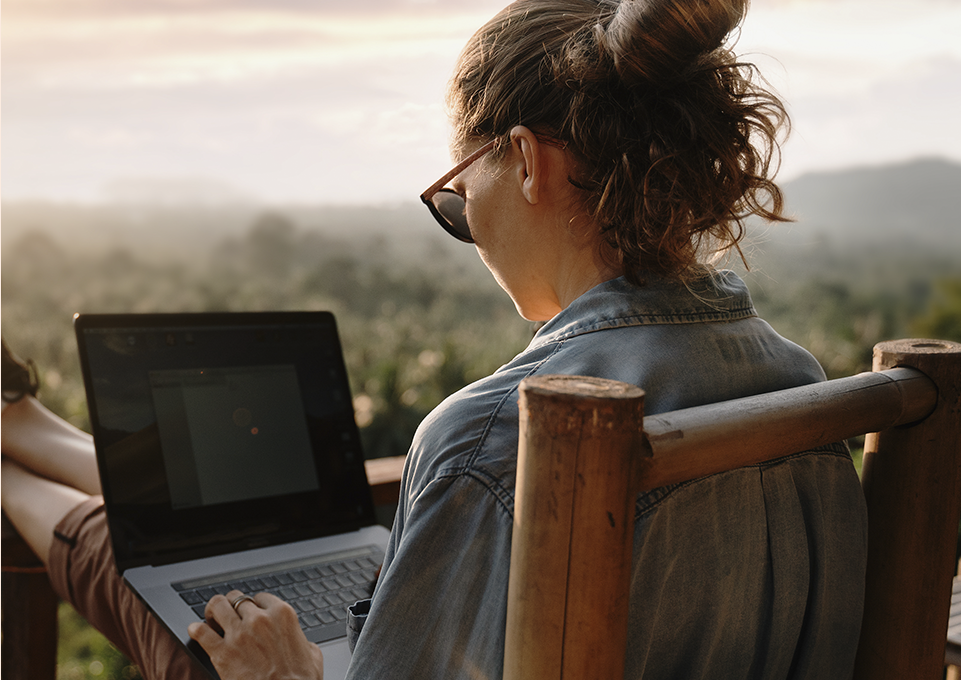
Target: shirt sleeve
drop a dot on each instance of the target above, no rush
(439, 610)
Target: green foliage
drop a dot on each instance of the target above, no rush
(84, 654)
(942, 320)
(839, 304)
(413, 329)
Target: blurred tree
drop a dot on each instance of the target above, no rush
(85, 654)
(339, 277)
(942, 320)
(396, 414)
(270, 246)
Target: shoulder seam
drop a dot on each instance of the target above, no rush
(500, 405)
(490, 483)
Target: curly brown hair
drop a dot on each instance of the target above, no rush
(674, 140)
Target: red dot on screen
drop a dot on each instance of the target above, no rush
(254, 430)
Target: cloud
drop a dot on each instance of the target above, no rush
(315, 99)
(840, 45)
(866, 81)
(72, 9)
(906, 115)
(212, 42)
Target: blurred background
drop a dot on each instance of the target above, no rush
(243, 154)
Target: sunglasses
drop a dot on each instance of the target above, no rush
(446, 205)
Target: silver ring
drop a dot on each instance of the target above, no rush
(240, 600)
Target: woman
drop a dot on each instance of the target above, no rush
(609, 151)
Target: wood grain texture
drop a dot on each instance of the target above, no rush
(578, 446)
(912, 483)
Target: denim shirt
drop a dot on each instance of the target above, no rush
(753, 573)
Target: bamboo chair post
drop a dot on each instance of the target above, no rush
(29, 629)
(573, 526)
(912, 482)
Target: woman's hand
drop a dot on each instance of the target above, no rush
(261, 639)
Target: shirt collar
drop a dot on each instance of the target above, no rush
(716, 296)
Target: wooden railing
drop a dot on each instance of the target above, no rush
(30, 606)
(29, 613)
(583, 457)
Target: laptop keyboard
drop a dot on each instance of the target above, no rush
(320, 589)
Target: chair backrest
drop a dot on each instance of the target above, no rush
(586, 450)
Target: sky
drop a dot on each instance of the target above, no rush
(315, 101)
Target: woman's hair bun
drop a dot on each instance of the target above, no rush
(673, 139)
(657, 43)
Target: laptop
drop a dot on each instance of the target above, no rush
(230, 458)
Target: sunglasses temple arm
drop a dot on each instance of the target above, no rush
(458, 169)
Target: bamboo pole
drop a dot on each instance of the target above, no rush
(575, 499)
(912, 482)
(695, 442)
(29, 629)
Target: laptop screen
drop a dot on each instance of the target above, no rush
(231, 434)
(217, 432)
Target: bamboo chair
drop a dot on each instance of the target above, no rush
(586, 451)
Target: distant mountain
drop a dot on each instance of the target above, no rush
(914, 202)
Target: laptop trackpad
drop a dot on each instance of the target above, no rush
(336, 659)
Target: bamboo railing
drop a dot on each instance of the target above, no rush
(583, 457)
(29, 616)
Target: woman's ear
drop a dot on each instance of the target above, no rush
(530, 168)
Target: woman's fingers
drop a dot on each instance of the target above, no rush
(270, 602)
(261, 638)
(218, 610)
(206, 636)
(238, 601)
